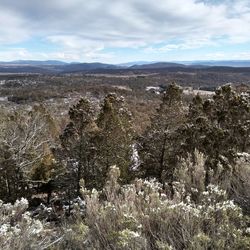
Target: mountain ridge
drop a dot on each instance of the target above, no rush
(55, 66)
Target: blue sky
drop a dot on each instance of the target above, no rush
(117, 31)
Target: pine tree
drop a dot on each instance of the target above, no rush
(78, 149)
(158, 147)
(219, 128)
(115, 138)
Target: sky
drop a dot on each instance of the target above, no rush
(118, 31)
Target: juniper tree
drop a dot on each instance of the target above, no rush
(158, 147)
(78, 149)
(115, 137)
(219, 128)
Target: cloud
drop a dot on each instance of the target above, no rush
(227, 56)
(65, 55)
(190, 43)
(11, 27)
(86, 27)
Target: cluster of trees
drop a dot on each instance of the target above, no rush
(35, 157)
(91, 143)
(219, 128)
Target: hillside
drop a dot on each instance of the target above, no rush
(50, 67)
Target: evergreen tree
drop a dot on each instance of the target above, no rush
(158, 145)
(219, 128)
(115, 137)
(78, 148)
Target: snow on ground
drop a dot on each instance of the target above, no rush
(135, 157)
(197, 91)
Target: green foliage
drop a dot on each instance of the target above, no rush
(158, 144)
(115, 137)
(77, 145)
(199, 156)
(219, 128)
(92, 145)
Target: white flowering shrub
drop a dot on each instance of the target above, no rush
(136, 216)
(141, 216)
(18, 230)
(190, 174)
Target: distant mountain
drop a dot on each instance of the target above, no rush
(54, 66)
(226, 63)
(33, 62)
(73, 67)
(158, 65)
(15, 69)
(129, 64)
(26, 66)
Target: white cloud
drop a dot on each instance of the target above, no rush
(65, 55)
(75, 42)
(190, 43)
(87, 27)
(12, 27)
(227, 56)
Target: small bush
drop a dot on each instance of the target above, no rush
(136, 216)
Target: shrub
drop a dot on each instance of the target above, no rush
(135, 216)
(140, 216)
(18, 230)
